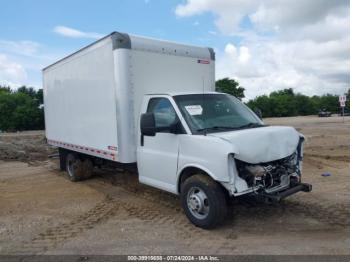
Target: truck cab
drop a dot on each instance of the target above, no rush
(208, 147)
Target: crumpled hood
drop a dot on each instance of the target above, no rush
(262, 144)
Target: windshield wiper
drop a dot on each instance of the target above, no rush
(250, 125)
(215, 128)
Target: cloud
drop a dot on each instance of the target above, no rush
(228, 13)
(308, 67)
(304, 45)
(27, 48)
(330, 28)
(196, 23)
(21, 62)
(11, 73)
(297, 13)
(74, 33)
(241, 56)
(267, 15)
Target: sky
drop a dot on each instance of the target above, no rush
(266, 45)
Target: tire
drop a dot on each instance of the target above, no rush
(203, 201)
(74, 167)
(88, 168)
(63, 156)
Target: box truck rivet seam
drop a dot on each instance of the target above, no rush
(151, 104)
(83, 149)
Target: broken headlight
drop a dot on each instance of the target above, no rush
(271, 175)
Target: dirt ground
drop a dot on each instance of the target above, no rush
(42, 212)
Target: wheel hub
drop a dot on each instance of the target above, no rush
(197, 202)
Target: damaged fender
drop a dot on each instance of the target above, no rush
(208, 153)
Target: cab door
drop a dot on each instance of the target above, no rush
(157, 156)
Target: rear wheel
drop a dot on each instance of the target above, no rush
(88, 168)
(74, 167)
(203, 201)
(63, 157)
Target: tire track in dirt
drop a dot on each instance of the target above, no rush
(159, 215)
(340, 158)
(334, 215)
(321, 162)
(326, 212)
(337, 217)
(250, 206)
(51, 237)
(165, 209)
(159, 208)
(314, 162)
(162, 208)
(163, 203)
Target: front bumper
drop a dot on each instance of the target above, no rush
(276, 197)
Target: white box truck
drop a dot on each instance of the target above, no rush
(133, 100)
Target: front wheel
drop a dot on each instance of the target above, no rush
(203, 201)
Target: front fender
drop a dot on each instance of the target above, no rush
(208, 153)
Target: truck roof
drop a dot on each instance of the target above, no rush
(128, 41)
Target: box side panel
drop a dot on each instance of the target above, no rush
(80, 105)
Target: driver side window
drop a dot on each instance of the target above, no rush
(164, 113)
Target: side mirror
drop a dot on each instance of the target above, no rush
(148, 124)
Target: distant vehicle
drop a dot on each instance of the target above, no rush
(151, 104)
(346, 112)
(324, 113)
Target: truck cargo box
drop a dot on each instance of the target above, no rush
(92, 97)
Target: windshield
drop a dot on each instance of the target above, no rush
(215, 113)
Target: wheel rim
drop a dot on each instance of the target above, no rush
(198, 203)
(70, 167)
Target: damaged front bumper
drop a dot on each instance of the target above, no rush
(272, 180)
(276, 197)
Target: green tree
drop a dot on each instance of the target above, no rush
(27, 90)
(229, 86)
(20, 109)
(262, 103)
(305, 105)
(5, 89)
(40, 96)
(286, 103)
(329, 102)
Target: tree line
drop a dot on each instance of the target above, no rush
(22, 109)
(288, 103)
(284, 102)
